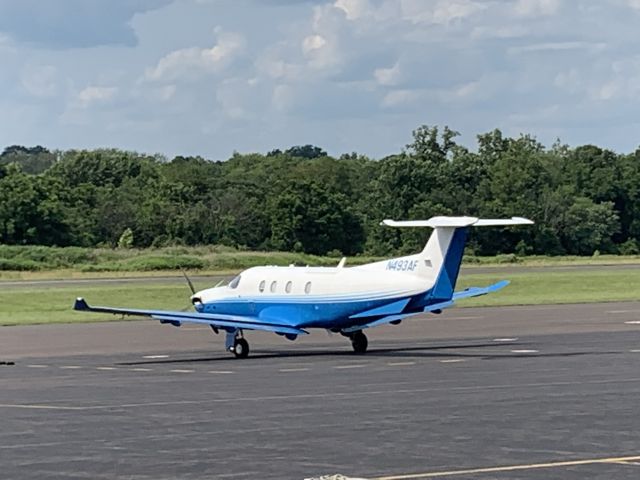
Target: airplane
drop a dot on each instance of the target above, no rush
(291, 300)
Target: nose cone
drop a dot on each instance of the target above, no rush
(207, 296)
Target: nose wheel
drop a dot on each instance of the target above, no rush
(241, 348)
(359, 342)
(236, 344)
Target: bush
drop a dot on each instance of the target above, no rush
(19, 265)
(507, 258)
(630, 247)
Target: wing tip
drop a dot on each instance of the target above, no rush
(81, 304)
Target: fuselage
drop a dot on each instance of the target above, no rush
(323, 297)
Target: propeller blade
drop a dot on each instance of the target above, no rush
(191, 287)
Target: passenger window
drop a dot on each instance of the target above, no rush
(274, 284)
(307, 287)
(288, 287)
(234, 283)
(261, 286)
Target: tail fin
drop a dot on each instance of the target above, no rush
(441, 257)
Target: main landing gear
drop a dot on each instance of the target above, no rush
(359, 342)
(236, 344)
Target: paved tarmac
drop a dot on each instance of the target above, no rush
(547, 392)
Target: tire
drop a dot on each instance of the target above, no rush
(241, 348)
(359, 342)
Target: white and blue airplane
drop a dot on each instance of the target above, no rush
(291, 300)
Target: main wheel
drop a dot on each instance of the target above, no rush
(359, 342)
(241, 348)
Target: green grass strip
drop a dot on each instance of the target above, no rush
(37, 305)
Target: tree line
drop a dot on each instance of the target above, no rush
(584, 199)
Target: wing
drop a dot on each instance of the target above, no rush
(177, 318)
(436, 308)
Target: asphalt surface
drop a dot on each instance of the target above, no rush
(548, 392)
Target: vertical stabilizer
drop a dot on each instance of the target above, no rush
(442, 255)
(444, 250)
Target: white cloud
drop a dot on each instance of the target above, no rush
(40, 81)
(166, 93)
(398, 98)
(443, 12)
(329, 72)
(556, 46)
(388, 76)
(635, 4)
(530, 8)
(93, 94)
(353, 9)
(313, 42)
(187, 62)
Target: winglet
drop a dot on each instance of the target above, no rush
(81, 305)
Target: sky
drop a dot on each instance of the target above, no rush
(210, 77)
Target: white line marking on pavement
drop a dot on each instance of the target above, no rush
(453, 360)
(342, 367)
(155, 356)
(141, 369)
(633, 322)
(179, 370)
(70, 367)
(509, 468)
(505, 339)
(293, 370)
(37, 366)
(224, 372)
(40, 407)
(400, 364)
(635, 351)
(524, 351)
(106, 368)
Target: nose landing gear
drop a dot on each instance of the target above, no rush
(241, 348)
(236, 344)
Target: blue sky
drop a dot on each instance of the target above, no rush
(207, 77)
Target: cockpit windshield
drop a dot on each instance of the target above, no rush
(234, 283)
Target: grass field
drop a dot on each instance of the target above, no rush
(38, 262)
(32, 305)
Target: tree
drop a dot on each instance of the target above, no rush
(315, 220)
(305, 151)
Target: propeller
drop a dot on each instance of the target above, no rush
(191, 287)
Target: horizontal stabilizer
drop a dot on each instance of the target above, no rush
(477, 291)
(434, 307)
(177, 318)
(458, 222)
(455, 222)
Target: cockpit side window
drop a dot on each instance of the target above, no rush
(261, 286)
(234, 283)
